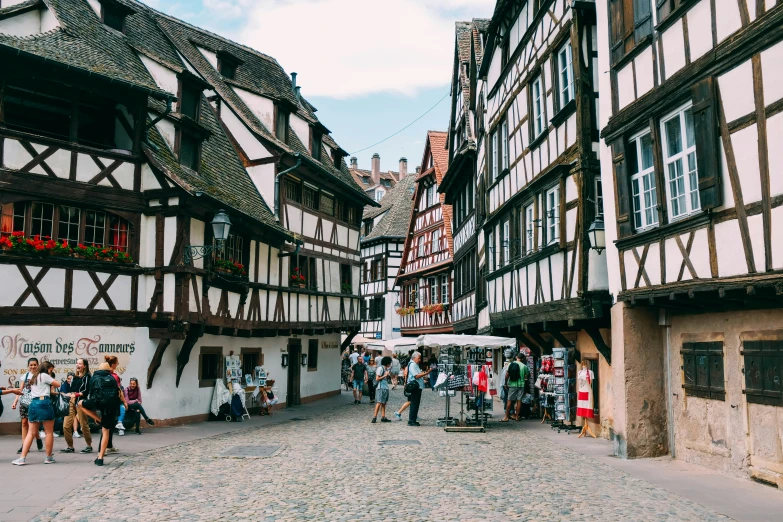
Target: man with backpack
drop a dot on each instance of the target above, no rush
(516, 377)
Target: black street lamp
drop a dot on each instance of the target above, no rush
(597, 235)
(221, 225)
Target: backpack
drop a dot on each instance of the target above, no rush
(411, 386)
(104, 389)
(514, 372)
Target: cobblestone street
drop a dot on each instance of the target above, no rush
(330, 464)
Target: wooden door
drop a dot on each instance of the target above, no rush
(294, 372)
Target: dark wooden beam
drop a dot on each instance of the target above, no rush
(183, 357)
(348, 339)
(598, 340)
(157, 358)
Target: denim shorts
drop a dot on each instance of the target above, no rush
(358, 385)
(40, 410)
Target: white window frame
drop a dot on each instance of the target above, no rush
(599, 196)
(433, 289)
(689, 176)
(444, 289)
(565, 71)
(647, 214)
(538, 107)
(420, 248)
(493, 162)
(504, 144)
(435, 240)
(552, 203)
(530, 228)
(491, 248)
(506, 240)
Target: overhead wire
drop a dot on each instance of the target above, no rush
(404, 128)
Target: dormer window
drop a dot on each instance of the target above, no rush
(189, 150)
(315, 148)
(227, 65)
(189, 101)
(281, 125)
(113, 14)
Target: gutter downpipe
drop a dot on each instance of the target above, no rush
(299, 243)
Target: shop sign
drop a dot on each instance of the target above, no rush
(62, 351)
(396, 330)
(378, 335)
(330, 345)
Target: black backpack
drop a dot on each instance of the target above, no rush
(104, 389)
(514, 372)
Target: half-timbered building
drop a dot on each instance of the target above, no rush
(425, 274)
(383, 241)
(692, 123)
(460, 182)
(545, 284)
(375, 182)
(123, 135)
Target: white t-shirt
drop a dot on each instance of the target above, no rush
(354, 357)
(42, 387)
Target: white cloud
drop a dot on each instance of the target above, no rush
(346, 48)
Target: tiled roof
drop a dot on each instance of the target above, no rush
(260, 74)
(440, 155)
(359, 174)
(480, 27)
(83, 43)
(397, 206)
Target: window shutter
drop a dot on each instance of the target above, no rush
(664, 8)
(705, 125)
(624, 225)
(642, 19)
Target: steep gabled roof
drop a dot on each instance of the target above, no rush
(396, 207)
(437, 141)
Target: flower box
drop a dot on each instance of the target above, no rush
(18, 243)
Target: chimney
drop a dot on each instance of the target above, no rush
(293, 81)
(354, 163)
(298, 94)
(376, 169)
(403, 167)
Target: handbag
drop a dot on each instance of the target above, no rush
(27, 395)
(61, 406)
(411, 386)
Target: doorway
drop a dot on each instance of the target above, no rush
(293, 397)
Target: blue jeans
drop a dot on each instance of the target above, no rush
(122, 414)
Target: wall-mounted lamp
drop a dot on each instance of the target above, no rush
(304, 359)
(284, 362)
(597, 235)
(221, 225)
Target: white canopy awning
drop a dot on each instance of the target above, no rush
(399, 344)
(362, 340)
(466, 341)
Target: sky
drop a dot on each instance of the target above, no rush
(370, 67)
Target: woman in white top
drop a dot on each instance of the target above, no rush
(32, 367)
(40, 412)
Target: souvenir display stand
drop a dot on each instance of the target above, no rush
(564, 371)
(234, 381)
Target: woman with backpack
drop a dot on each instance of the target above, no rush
(32, 369)
(80, 386)
(40, 412)
(105, 395)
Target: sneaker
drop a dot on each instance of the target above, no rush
(372, 402)
(19, 462)
(49, 459)
(98, 462)
(120, 426)
(42, 435)
(414, 423)
(39, 443)
(68, 450)
(397, 416)
(121, 433)
(56, 435)
(137, 432)
(150, 422)
(384, 419)
(374, 420)
(77, 435)
(88, 449)
(112, 450)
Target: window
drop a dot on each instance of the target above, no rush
(505, 240)
(444, 289)
(251, 357)
(376, 309)
(316, 146)
(702, 365)
(566, 74)
(379, 194)
(665, 7)
(505, 51)
(599, 197)
(763, 361)
(491, 249)
(327, 204)
(68, 226)
(411, 294)
(209, 366)
(436, 240)
(12, 218)
(189, 151)
(631, 21)
(643, 190)
(529, 229)
(493, 164)
(312, 355)
(368, 227)
(346, 281)
(552, 215)
(113, 17)
(538, 107)
(592, 365)
(227, 68)
(281, 125)
(190, 101)
(43, 220)
(504, 144)
(305, 270)
(420, 249)
(233, 248)
(432, 284)
(310, 197)
(679, 153)
(293, 190)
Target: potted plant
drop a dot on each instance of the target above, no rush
(229, 266)
(298, 279)
(346, 288)
(38, 245)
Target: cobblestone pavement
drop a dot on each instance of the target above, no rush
(332, 466)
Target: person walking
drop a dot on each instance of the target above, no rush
(40, 412)
(382, 376)
(395, 370)
(371, 368)
(433, 364)
(407, 403)
(354, 357)
(416, 374)
(104, 395)
(79, 388)
(358, 378)
(133, 398)
(516, 377)
(32, 369)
